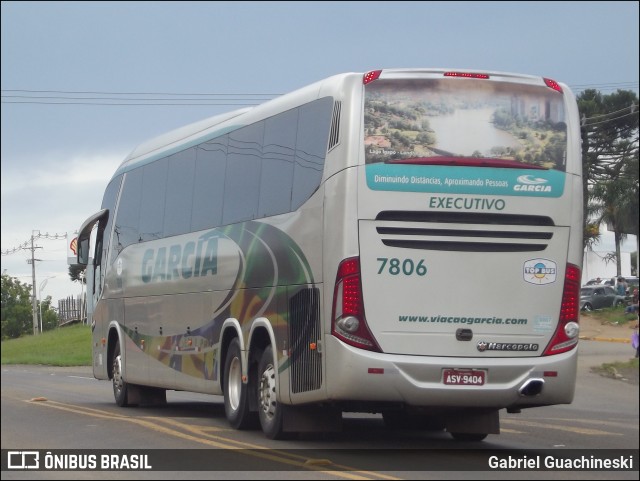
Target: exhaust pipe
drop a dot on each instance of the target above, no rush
(531, 387)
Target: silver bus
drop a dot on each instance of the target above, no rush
(405, 242)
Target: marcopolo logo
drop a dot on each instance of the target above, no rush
(483, 346)
(540, 271)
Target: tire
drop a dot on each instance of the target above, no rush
(269, 410)
(120, 387)
(470, 437)
(587, 307)
(236, 392)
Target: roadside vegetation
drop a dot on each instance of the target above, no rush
(614, 316)
(67, 346)
(624, 370)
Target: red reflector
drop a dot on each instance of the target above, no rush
(371, 76)
(466, 75)
(552, 84)
(375, 370)
(550, 374)
(569, 309)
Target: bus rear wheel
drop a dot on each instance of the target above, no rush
(236, 398)
(269, 410)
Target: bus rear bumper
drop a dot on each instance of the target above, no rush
(359, 375)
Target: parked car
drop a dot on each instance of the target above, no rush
(599, 282)
(632, 283)
(598, 297)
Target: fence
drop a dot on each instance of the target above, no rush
(71, 310)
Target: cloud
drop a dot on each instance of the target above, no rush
(51, 195)
(57, 172)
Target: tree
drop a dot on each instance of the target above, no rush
(616, 204)
(49, 316)
(610, 162)
(77, 272)
(16, 315)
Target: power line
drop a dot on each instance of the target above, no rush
(25, 244)
(210, 94)
(127, 99)
(633, 107)
(585, 120)
(610, 84)
(199, 104)
(609, 120)
(611, 87)
(91, 97)
(182, 99)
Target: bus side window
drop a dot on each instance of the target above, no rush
(311, 147)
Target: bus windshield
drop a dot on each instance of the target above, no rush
(463, 121)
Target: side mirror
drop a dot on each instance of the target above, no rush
(83, 251)
(85, 234)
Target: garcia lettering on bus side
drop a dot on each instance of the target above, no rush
(181, 261)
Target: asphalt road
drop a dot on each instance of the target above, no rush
(46, 408)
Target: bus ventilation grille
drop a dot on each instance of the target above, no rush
(465, 232)
(305, 332)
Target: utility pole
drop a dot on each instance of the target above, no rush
(34, 299)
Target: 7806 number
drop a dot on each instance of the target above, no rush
(395, 266)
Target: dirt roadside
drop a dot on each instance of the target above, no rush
(593, 328)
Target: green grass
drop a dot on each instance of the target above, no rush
(611, 315)
(626, 369)
(66, 346)
(622, 364)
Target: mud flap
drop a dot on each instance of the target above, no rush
(305, 419)
(480, 422)
(146, 396)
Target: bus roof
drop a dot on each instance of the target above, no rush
(209, 128)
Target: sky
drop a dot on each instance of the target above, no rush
(58, 153)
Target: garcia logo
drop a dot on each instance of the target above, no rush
(540, 271)
(529, 183)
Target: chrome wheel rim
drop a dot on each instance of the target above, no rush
(267, 392)
(234, 385)
(118, 383)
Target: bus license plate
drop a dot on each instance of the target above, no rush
(463, 377)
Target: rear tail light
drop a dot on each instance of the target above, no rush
(566, 336)
(552, 84)
(348, 322)
(371, 76)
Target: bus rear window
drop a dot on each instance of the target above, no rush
(464, 122)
